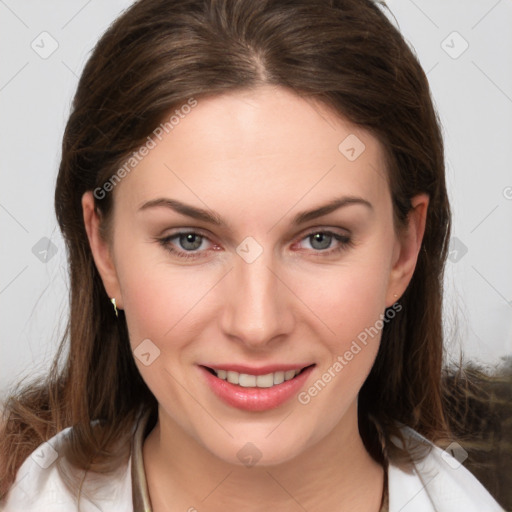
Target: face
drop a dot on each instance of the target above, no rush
(256, 238)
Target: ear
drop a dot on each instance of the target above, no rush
(101, 249)
(407, 248)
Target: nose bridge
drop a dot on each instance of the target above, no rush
(256, 309)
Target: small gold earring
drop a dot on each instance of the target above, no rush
(395, 295)
(113, 300)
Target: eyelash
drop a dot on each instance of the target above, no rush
(344, 243)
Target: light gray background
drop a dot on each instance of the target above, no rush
(472, 91)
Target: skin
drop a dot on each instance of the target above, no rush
(257, 158)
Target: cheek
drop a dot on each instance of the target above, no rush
(350, 300)
(163, 304)
(351, 304)
(158, 297)
(347, 299)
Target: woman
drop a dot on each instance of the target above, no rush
(253, 200)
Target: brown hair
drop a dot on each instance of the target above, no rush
(156, 56)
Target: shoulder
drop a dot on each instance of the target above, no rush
(437, 483)
(46, 481)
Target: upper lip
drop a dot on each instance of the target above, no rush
(260, 370)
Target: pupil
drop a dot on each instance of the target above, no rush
(323, 240)
(190, 241)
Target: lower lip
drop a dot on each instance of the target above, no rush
(256, 399)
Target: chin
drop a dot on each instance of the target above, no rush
(259, 449)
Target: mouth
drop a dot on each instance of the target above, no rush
(251, 380)
(256, 389)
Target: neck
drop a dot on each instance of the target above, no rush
(183, 475)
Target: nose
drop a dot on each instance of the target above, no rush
(257, 306)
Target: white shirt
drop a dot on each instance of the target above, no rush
(439, 483)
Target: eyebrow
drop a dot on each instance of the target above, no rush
(212, 217)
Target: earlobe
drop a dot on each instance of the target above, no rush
(407, 248)
(101, 249)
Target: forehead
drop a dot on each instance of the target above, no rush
(265, 145)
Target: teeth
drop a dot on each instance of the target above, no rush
(233, 377)
(278, 377)
(289, 374)
(246, 380)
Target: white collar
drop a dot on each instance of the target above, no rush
(438, 483)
